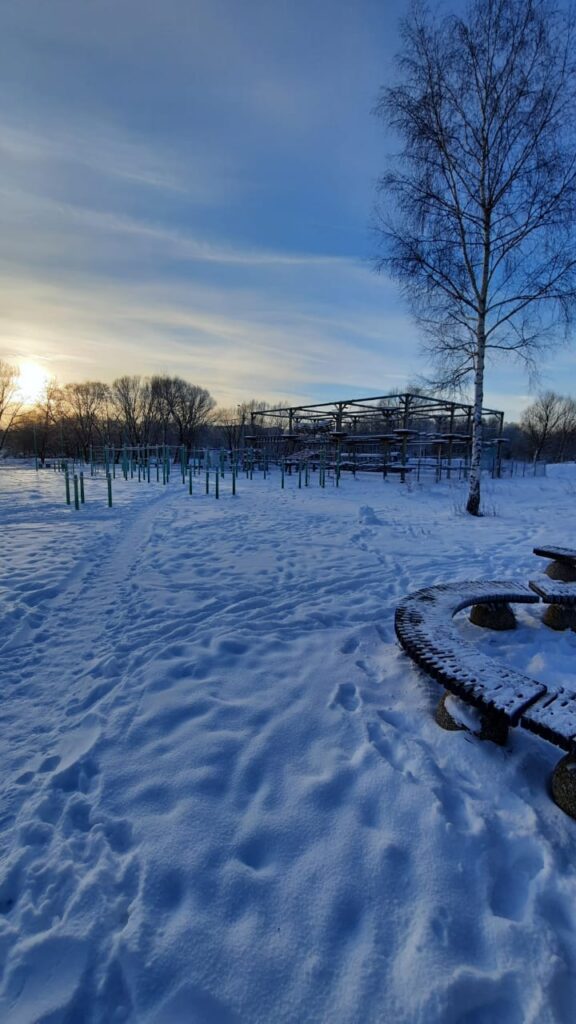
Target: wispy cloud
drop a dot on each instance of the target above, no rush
(53, 217)
(237, 347)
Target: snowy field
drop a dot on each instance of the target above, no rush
(224, 797)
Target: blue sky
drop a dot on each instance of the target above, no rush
(187, 188)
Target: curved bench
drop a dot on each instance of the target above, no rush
(503, 696)
(425, 630)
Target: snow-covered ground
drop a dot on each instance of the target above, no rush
(224, 797)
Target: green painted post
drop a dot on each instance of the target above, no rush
(109, 482)
(148, 470)
(190, 481)
(113, 463)
(217, 487)
(82, 498)
(76, 494)
(91, 461)
(67, 483)
(282, 474)
(233, 478)
(207, 481)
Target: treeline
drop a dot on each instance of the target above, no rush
(71, 419)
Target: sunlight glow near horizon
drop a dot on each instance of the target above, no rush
(32, 382)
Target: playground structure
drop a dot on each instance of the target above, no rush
(406, 436)
(394, 433)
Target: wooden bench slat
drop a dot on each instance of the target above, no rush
(554, 591)
(554, 718)
(567, 555)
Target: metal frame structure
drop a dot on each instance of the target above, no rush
(396, 410)
(379, 431)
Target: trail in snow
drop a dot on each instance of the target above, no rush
(225, 798)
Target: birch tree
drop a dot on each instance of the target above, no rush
(476, 216)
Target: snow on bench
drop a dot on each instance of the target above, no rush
(554, 591)
(563, 564)
(425, 631)
(560, 597)
(567, 555)
(554, 718)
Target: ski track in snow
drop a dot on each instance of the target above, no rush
(224, 798)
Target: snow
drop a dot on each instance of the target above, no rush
(224, 796)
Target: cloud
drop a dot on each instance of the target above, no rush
(238, 345)
(50, 224)
(104, 149)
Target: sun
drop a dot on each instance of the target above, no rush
(32, 381)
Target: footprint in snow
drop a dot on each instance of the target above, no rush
(346, 697)
(350, 645)
(511, 890)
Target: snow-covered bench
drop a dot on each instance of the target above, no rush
(425, 629)
(503, 696)
(562, 565)
(561, 600)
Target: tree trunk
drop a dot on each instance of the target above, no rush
(473, 504)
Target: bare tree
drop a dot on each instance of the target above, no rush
(46, 413)
(84, 407)
(188, 404)
(133, 403)
(232, 422)
(10, 403)
(551, 419)
(476, 218)
(567, 430)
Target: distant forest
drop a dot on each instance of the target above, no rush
(70, 419)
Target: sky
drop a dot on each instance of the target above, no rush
(187, 188)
